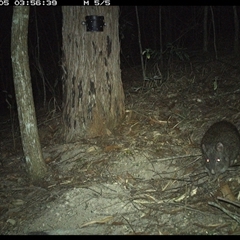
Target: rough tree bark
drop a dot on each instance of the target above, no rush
(23, 89)
(93, 101)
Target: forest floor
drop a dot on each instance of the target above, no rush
(146, 177)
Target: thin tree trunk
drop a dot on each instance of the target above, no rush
(23, 89)
(214, 33)
(236, 26)
(140, 45)
(205, 41)
(160, 34)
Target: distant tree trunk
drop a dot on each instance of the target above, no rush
(205, 41)
(93, 101)
(140, 45)
(236, 26)
(22, 82)
(214, 33)
(160, 34)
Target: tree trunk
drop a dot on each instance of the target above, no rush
(214, 33)
(205, 41)
(93, 101)
(22, 82)
(140, 44)
(236, 27)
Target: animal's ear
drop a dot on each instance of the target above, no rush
(219, 147)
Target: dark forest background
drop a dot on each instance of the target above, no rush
(181, 31)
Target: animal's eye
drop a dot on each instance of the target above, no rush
(207, 160)
(218, 160)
